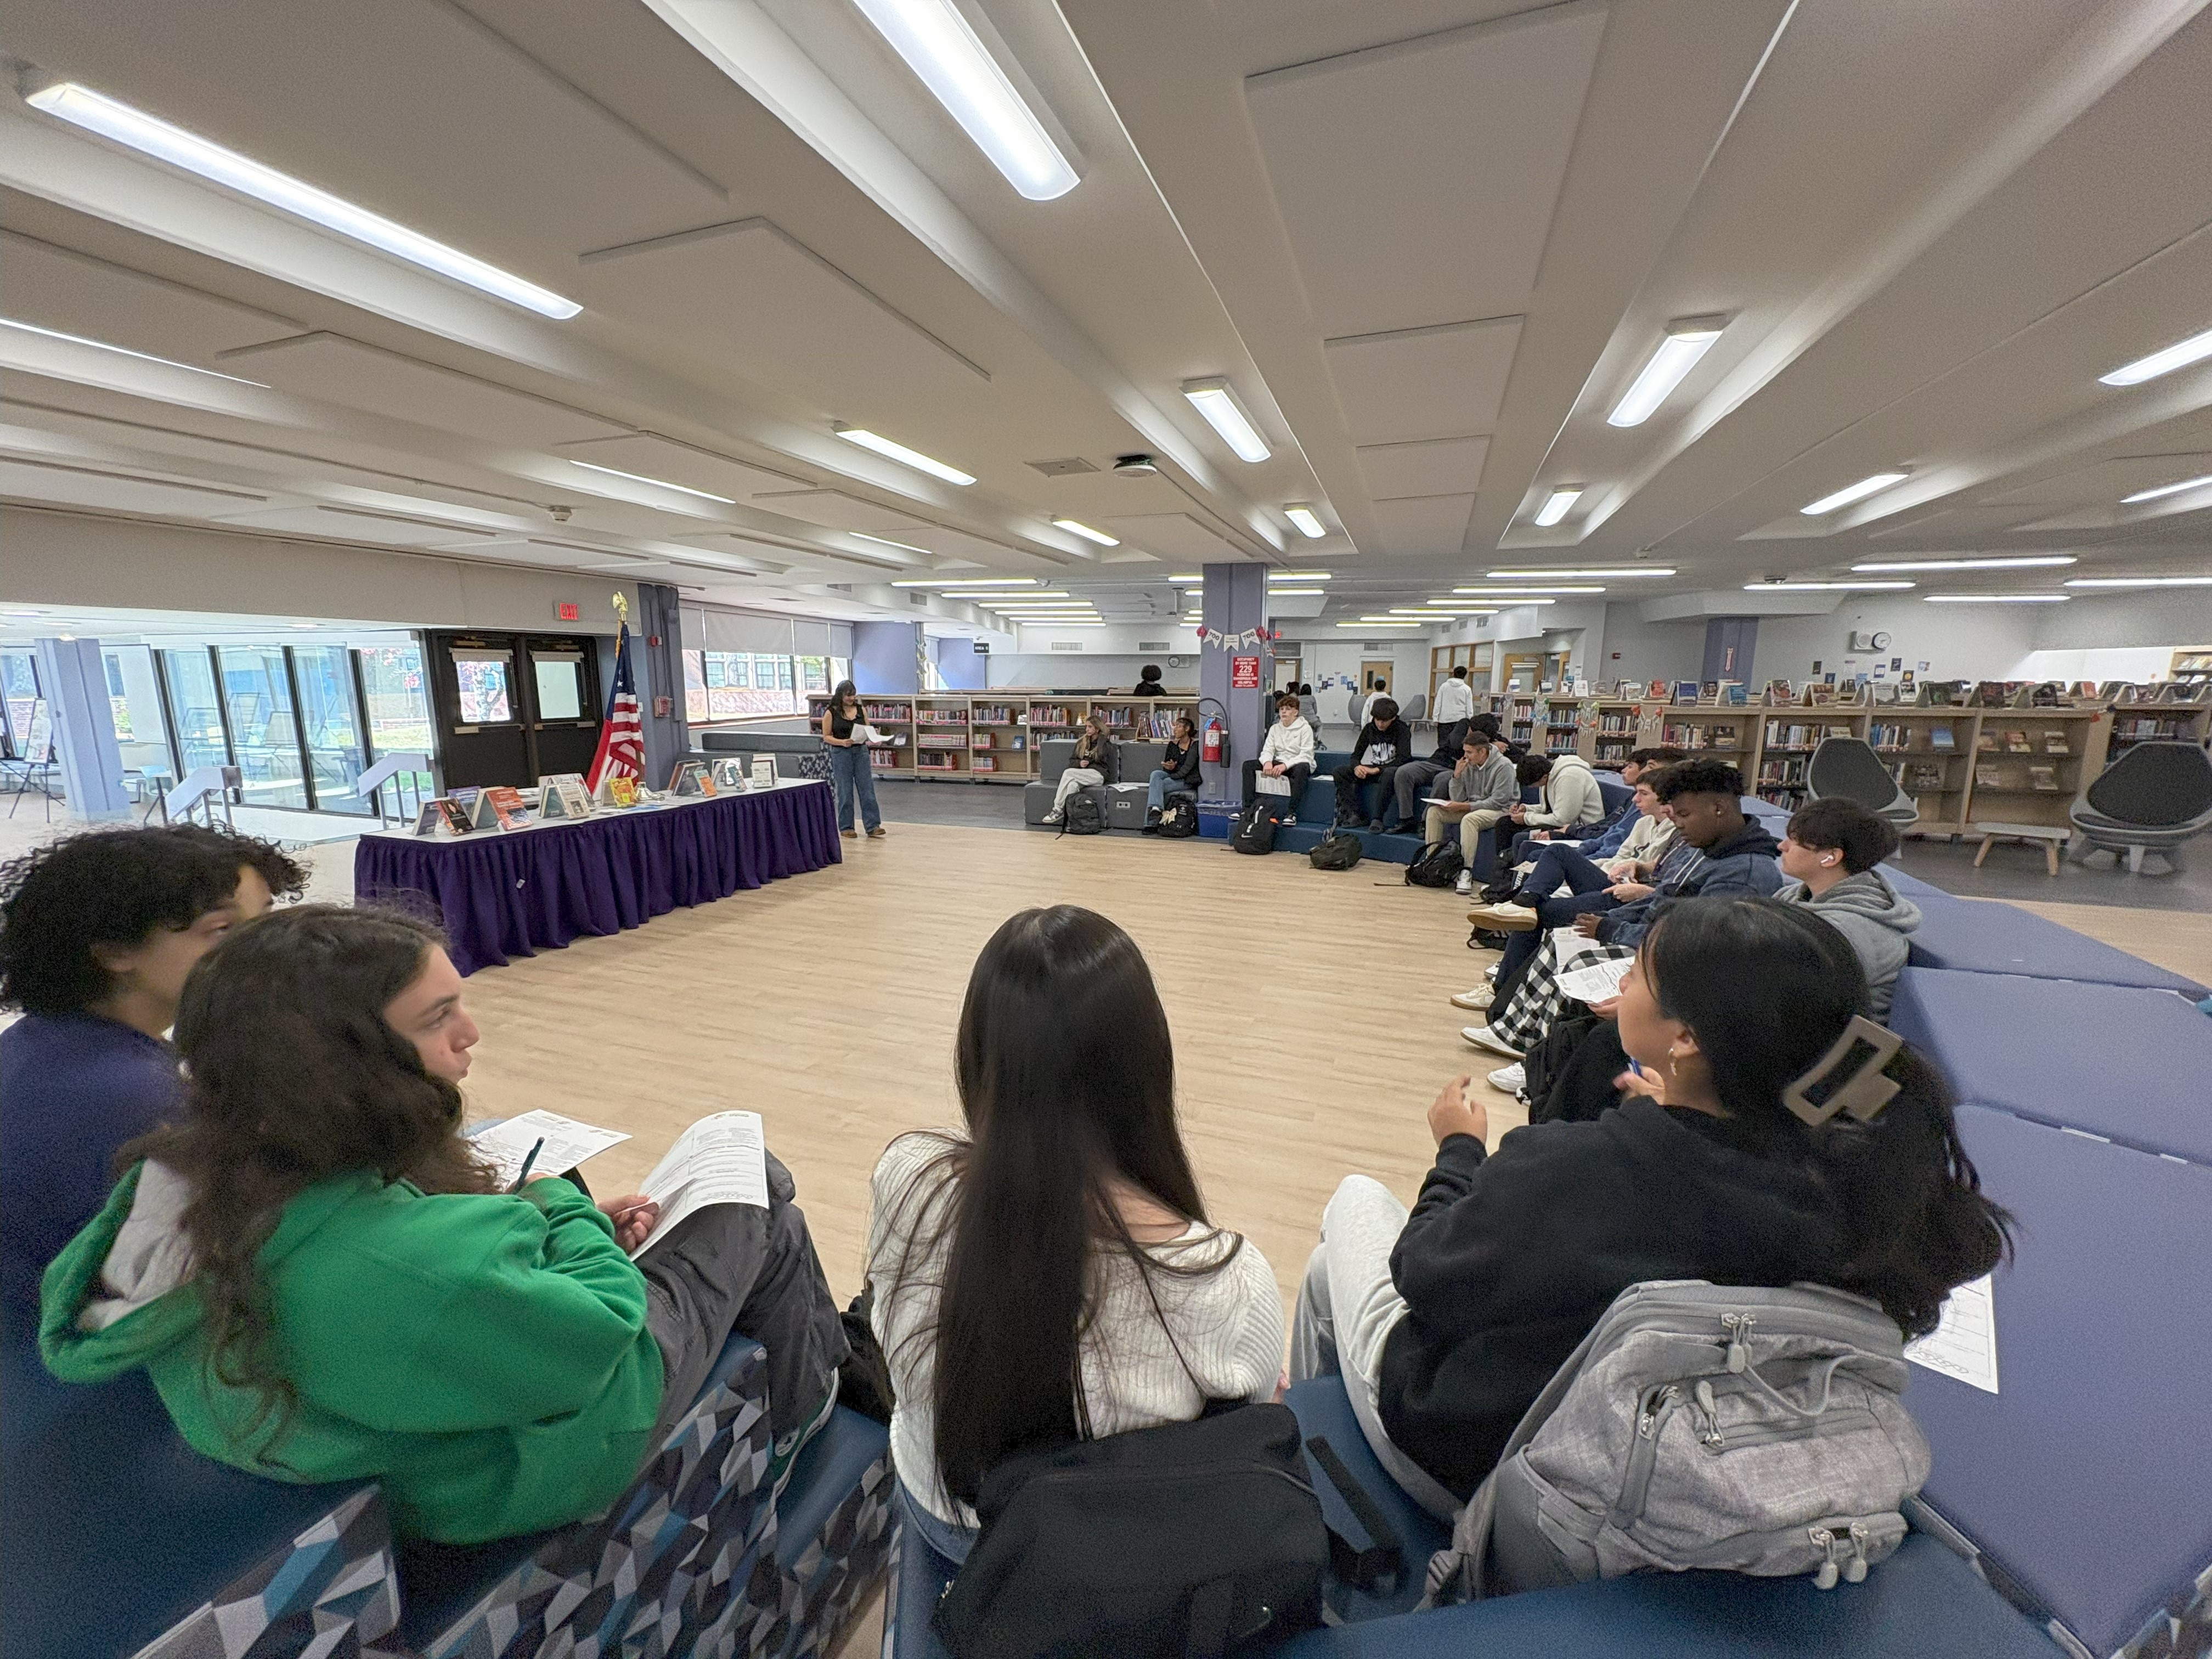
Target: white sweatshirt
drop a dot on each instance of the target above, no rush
(1455, 702)
(1288, 745)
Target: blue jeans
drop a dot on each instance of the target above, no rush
(950, 1543)
(854, 774)
(1557, 865)
(1550, 913)
(1155, 792)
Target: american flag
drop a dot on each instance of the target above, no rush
(622, 734)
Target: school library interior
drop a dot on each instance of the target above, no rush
(969, 829)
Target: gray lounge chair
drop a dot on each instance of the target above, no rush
(2153, 797)
(1849, 767)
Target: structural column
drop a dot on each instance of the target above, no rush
(1236, 600)
(73, 679)
(658, 637)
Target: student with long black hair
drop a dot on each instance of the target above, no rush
(1050, 1275)
(850, 765)
(326, 1283)
(1447, 1323)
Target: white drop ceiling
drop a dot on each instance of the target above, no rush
(1428, 242)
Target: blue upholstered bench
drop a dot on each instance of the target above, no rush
(1984, 936)
(2130, 1065)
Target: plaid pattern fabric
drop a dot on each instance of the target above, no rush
(1537, 1000)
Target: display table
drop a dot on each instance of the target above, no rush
(503, 894)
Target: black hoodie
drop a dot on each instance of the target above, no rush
(1399, 739)
(1508, 1262)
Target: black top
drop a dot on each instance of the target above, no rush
(1150, 687)
(1181, 763)
(841, 724)
(1451, 744)
(1399, 739)
(1508, 1262)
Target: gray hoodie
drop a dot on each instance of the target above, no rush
(1870, 913)
(1489, 785)
(1571, 796)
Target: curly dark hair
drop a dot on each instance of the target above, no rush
(114, 887)
(1699, 777)
(291, 1078)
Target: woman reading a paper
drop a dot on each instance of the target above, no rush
(327, 1282)
(848, 733)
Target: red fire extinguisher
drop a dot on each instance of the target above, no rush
(1214, 745)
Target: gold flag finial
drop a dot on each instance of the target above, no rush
(621, 607)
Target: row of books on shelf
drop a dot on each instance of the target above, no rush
(2016, 740)
(1779, 736)
(1675, 735)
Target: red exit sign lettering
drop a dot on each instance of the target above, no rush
(567, 610)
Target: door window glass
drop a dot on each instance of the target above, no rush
(335, 750)
(486, 696)
(399, 700)
(193, 700)
(694, 685)
(265, 731)
(560, 676)
(132, 695)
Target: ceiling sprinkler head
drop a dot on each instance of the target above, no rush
(560, 515)
(1136, 466)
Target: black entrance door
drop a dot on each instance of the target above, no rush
(513, 707)
(563, 697)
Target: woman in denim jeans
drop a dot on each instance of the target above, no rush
(849, 765)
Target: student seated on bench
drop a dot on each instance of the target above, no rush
(1481, 792)
(1592, 887)
(1385, 743)
(1087, 768)
(97, 933)
(1829, 853)
(1570, 800)
(1050, 1275)
(1417, 778)
(1287, 752)
(1179, 771)
(1601, 840)
(1446, 1324)
(327, 1284)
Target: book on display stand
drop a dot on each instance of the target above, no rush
(502, 804)
(563, 795)
(456, 815)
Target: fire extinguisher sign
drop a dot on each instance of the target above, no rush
(1244, 673)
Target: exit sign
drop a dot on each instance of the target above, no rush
(567, 610)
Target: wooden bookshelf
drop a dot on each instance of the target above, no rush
(1787, 738)
(1559, 723)
(1610, 728)
(996, 737)
(2145, 722)
(893, 716)
(2028, 764)
(1725, 732)
(941, 736)
(1931, 753)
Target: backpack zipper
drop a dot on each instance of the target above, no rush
(1658, 1406)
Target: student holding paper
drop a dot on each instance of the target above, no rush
(845, 730)
(326, 1282)
(1481, 792)
(1286, 754)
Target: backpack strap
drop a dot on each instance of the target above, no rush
(1362, 1565)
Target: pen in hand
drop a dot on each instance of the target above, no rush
(526, 1162)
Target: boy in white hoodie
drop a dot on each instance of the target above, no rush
(1572, 796)
(1288, 753)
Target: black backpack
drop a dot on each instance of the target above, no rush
(1340, 849)
(1255, 829)
(1178, 817)
(1083, 816)
(1437, 865)
(1190, 1541)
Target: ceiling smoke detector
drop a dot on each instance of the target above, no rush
(1136, 466)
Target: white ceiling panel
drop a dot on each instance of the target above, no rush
(77, 294)
(650, 456)
(1947, 522)
(1416, 180)
(756, 299)
(836, 510)
(2107, 482)
(355, 523)
(1412, 384)
(119, 492)
(1419, 525)
(554, 556)
(1436, 466)
(334, 369)
(1174, 536)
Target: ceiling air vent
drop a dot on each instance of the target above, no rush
(1153, 645)
(918, 600)
(1067, 645)
(1066, 467)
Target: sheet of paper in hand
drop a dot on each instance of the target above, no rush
(1267, 785)
(722, 1160)
(1596, 982)
(568, 1143)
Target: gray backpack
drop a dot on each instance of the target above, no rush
(1701, 1425)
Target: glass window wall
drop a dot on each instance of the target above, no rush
(331, 727)
(201, 739)
(141, 733)
(264, 727)
(19, 690)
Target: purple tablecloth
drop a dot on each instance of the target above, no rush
(514, 895)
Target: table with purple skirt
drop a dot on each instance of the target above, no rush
(503, 894)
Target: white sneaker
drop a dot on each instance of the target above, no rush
(1510, 1080)
(1054, 818)
(1475, 1001)
(1507, 918)
(1490, 972)
(1483, 1037)
(1465, 885)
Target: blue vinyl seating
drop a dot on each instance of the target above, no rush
(2084, 1478)
(1983, 936)
(2132, 1066)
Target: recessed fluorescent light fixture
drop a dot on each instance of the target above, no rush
(1077, 527)
(1556, 505)
(123, 351)
(1688, 340)
(962, 582)
(1824, 588)
(901, 453)
(1185, 579)
(1305, 520)
(1297, 575)
(939, 44)
(1414, 610)
(1582, 575)
(2139, 581)
(1519, 588)
(2165, 490)
(886, 541)
(1214, 399)
(1297, 592)
(658, 483)
(1370, 623)
(2195, 348)
(1850, 493)
(97, 112)
(2025, 562)
(1994, 599)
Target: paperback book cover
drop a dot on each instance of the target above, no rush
(1939, 737)
(508, 810)
(2042, 777)
(2016, 743)
(1985, 777)
(2054, 743)
(456, 815)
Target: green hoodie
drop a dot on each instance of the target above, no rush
(485, 1357)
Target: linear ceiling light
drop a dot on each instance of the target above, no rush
(96, 112)
(1579, 575)
(1077, 527)
(1687, 340)
(1850, 493)
(1994, 599)
(1824, 588)
(1420, 610)
(962, 581)
(1556, 505)
(938, 45)
(1185, 579)
(2025, 562)
(1306, 520)
(2139, 581)
(900, 453)
(658, 483)
(1370, 622)
(1297, 592)
(886, 541)
(2195, 348)
(2165, 490)
(125, 351)
(1217, 401)
(1518, 588)
(1297, 575)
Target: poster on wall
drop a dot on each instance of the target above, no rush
(1244, 673)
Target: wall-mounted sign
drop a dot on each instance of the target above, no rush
(567, 610)
(1243, 673)
(982, 648)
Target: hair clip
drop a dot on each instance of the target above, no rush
(1849, 1078)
